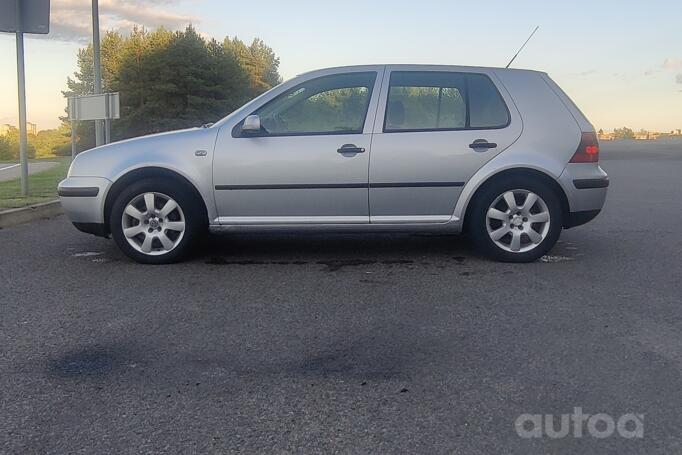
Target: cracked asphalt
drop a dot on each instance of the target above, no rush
(306, 343)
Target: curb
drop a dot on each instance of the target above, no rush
(12, 217)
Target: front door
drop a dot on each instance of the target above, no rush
(435, 130)
(309, 163)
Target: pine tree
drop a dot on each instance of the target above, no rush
(169, 80)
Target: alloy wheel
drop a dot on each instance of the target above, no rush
(518, 220)
(153, 223)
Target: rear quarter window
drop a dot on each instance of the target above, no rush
(486, 106)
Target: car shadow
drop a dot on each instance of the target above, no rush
(333, 250)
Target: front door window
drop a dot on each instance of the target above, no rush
(327, 105)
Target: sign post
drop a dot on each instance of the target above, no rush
(74, 152)
(19, 17)
(21, 83)
(97, 69)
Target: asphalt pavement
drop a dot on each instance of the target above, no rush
(307, 343)
(11, 171)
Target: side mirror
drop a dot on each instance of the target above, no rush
(251, 125)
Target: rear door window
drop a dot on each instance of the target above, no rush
(433, 101)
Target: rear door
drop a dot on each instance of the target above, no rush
(435, 128)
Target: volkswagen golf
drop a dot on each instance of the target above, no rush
(502, 154)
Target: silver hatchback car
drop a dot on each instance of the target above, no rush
(503, 154)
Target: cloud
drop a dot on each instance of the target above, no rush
(626, 77)
(672, 63)
(584, 73)
(71, 20)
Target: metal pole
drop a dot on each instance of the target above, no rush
(21, 82)
(74, 152)
(107, 121)
(107, 131)
(99, 139)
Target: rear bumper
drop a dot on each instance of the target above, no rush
(580, 218)
(585, 185)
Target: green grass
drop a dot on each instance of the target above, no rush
(42, 186)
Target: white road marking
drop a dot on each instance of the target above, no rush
(10, 167)
(87, 254)
(548, 258)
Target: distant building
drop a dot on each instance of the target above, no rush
(606, 136)
(4, 129)
(31, 128)
(647, 135)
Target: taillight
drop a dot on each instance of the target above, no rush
(588, 150)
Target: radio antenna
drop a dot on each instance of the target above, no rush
(524, 45)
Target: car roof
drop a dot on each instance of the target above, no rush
(417, 67)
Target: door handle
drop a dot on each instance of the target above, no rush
(350, 148)
(482, 144)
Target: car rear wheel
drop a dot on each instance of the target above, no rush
(156, 221)
(516, 220)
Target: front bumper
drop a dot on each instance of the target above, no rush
(83, 198)
(98, 229)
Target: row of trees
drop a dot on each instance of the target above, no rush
(170, 80)
(9, 146)
(626, 133)
(45, 143)
(623, 133)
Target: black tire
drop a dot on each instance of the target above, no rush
(196, 222)
(477, 217)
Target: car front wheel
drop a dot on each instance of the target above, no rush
(155, 221)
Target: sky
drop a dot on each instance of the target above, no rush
(620, 61)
